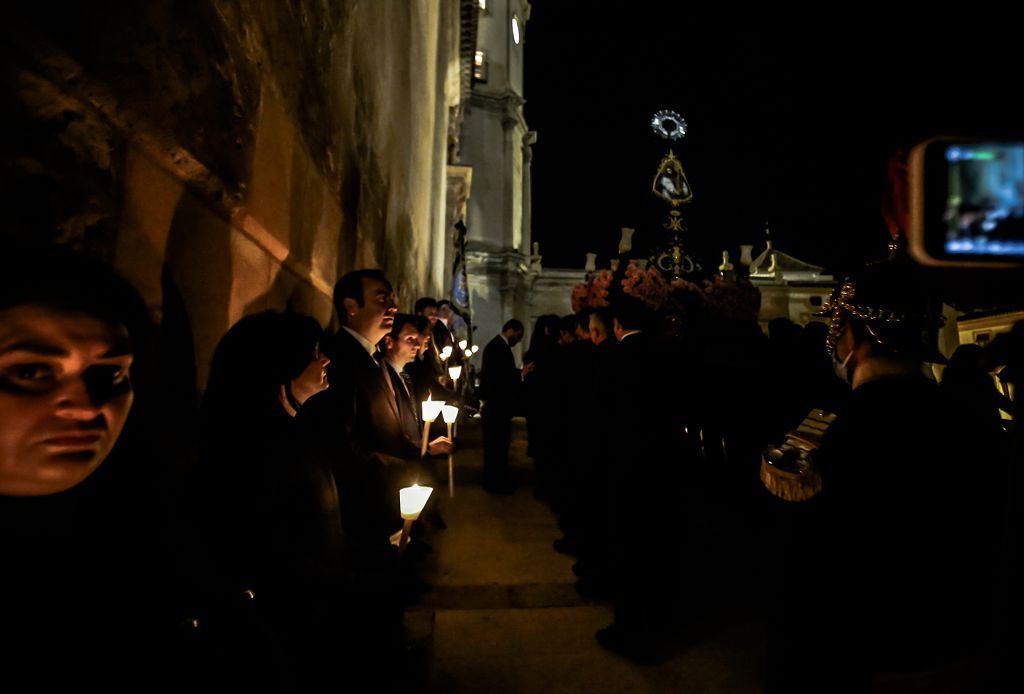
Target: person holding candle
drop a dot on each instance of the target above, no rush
(429, 369)
(401, 346)
(352, 432)
(254, 505)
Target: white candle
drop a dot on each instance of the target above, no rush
(455, 372)
(430, 410)
(412, 500)
(463, 343)
(450, 414)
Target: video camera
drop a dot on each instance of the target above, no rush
(967, 204)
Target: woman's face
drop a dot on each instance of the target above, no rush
(65, 394)
(313, 378)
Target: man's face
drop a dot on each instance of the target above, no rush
(374, 318)
(445, 313)
(515, 337)
(65, 394)
(598, 333)
(404, 349)
(430, 313)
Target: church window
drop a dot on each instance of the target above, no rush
(480, 66)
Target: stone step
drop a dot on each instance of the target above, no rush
(497, 597)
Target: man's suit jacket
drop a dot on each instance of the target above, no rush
(408, 407)
(499, 379)
(355, 427)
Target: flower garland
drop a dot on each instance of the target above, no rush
(737, 299)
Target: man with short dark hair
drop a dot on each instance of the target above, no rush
(401, 346)
(354, 429)
(639, 436)
(427, 307)
(428, 369)
(500, 381)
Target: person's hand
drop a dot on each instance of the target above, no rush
(440, 446)
(396, 539)
(528, 369)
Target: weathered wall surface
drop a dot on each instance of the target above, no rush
(230, 156)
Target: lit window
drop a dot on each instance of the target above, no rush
(515, 29)
(480, 66)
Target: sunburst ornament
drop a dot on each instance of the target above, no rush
(668, 125)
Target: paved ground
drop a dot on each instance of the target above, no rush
(503, 616)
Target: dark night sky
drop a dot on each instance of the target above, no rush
(786, 125)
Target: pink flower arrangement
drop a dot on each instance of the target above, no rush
(578, 299)
(598, 294)
(730, 299)
(593, 293)
(647, 285)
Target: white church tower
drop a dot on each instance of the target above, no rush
(496, 142)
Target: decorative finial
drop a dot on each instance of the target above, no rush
(727, 271)
(668, 125)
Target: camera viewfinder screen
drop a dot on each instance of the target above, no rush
(984, 210)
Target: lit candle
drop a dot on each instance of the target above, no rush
(468, 353)
(411, 500)
(431, 408)
(476, 348)
(462, 344)
(455, 372)
(450, 414)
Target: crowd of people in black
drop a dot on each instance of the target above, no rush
(260, 549)
(647, 437)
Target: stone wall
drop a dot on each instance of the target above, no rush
(231, 156)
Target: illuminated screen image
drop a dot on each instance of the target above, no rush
(984, 212)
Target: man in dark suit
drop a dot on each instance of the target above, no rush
(401, 347)
(428, 369)
(500, 382)
(354, 428)
(638, 432)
